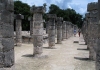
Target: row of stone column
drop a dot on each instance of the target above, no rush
(91, 31)
(7, 31)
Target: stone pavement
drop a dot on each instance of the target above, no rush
(66, 56)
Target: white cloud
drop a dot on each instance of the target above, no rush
(79, 5)
(69, 6)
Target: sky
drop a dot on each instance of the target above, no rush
(80, 6)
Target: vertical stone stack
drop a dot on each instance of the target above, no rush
(64, 30)
(38, 29)
(59, 29)
(87, 15)
(67, 28)
(55, 29)
(47, 27)
(92, 8)
(19, 18)
(84, 31)
(72, 29)
(51, 33)
(6, 34)
(98, 40)
(31, 25)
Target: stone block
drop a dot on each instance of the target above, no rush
(9, 58)
(39, 9)
(9, 5)
(58, 19)
(6, 31)
(51, 16)
(38, 41)
(19, 17)
(9, 19)
(30, 18)
(92, 6)
(38, 24)
(7, 43)
(38, 31)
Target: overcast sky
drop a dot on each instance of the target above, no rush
(79, 5)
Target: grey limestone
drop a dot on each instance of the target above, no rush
(19, 18)
(6, 35)
(38, 29)
(51, 34)
(59, 29)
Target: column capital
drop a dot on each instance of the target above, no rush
(30, 18)
(39, 9)
(92, 6)
(59, 19)
(19, 16)
(50, 16)
(87, 15)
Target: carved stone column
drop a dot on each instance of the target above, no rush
(64, 30)
(59, 30)
(38, 30)
(47, 27)
(51, 34)
(31, 25)
(19, 18)
(92, 8)
(6, 35)
(98, 40)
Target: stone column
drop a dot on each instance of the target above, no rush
(19, 18)
(6, 35)
(38, 30)
(59, 30)
(98, 40)
(51, 34)
(64, 30)
(56, 29)
(47, 27)
(31, 25)
(67, 30)
(92, 8)
(87, 15)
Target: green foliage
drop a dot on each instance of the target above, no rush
(67, 14)
(24, 9)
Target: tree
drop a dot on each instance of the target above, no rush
(67, 14)
(24, 9)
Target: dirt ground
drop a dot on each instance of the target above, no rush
(66, 56)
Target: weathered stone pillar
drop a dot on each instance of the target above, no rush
(47, 27)
(55, 29)
(64, 30)
(19, 18)
(59, 30)
(67, 30)
(98, 40)
(38, 29)
(6, 35)
(31, 25)
(51, 34)
(92, 8)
